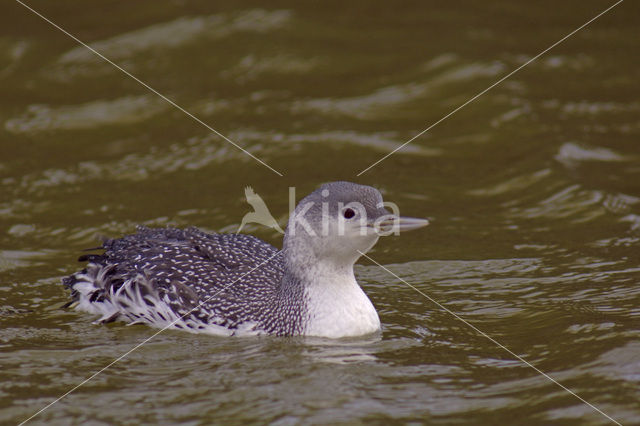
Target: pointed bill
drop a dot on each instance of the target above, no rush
(392, 224)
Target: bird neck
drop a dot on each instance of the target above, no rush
(334, 305)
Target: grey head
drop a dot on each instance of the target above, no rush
(339, 221)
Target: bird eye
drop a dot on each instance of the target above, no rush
(348, 213)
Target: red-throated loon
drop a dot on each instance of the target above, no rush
(227, 284)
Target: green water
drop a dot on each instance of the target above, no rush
(533, 191)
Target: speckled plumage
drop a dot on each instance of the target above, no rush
(216, 282)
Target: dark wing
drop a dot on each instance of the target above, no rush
(187, 268)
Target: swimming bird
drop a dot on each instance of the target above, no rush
(237, 284)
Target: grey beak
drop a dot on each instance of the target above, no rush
(410, 223)
(391, 224)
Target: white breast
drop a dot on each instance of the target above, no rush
(337, 307)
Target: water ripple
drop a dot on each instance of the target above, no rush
(127, 110)
(177, 33)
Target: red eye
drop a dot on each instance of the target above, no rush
(348, 213)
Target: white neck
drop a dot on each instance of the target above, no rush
(336, 305)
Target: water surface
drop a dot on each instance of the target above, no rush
(533, 191)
